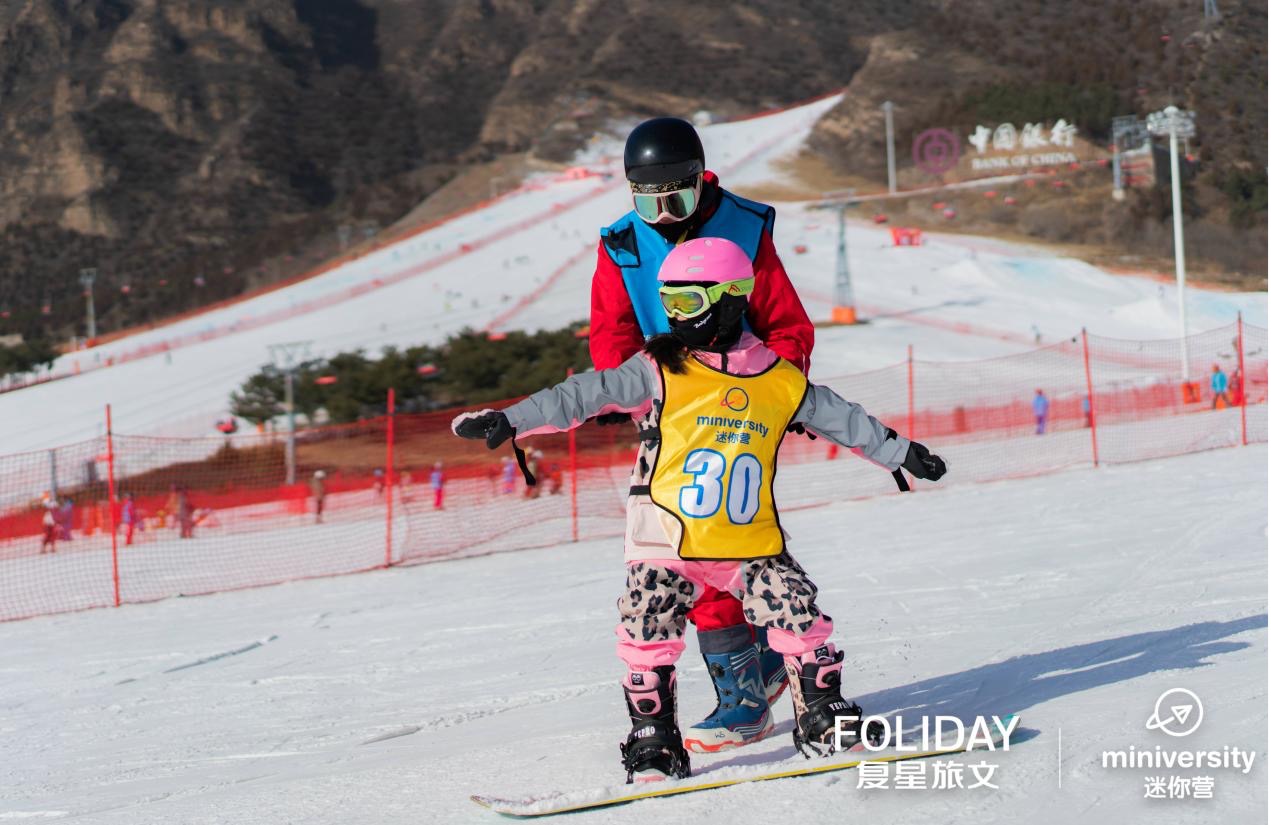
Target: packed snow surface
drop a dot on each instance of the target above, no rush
(1074, 599)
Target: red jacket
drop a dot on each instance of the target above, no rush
(776, 314)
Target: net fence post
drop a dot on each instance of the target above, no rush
(911, 432)
(110, 505)
(388, 481)
(1094, 437)
(910, 393)
(1244, 379)
(573, 475)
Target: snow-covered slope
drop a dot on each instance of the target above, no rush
(1075, 599)
(525, 262)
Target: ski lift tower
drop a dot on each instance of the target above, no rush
(1177, 124)
(1128, 134)
(844, 309)
(86, 278)
(288, 357)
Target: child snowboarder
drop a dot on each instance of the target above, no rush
(701, 512)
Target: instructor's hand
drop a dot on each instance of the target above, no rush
(922, 464)
(492, 425)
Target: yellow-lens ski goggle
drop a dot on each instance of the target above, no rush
(692, 300)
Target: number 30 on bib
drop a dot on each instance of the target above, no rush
(715, 483)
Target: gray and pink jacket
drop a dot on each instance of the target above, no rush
(635, 387)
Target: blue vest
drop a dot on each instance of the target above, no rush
(638, 249)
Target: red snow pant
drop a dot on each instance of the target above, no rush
(716, 609)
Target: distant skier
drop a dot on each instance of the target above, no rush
(535, 460)
(129, 518)
(318, 489)
(66, 520)
(713, 403)
(676, 199)
(1041, 409)
(507, 476)
(185, 512)
(169, 507)
(1236, 388)
(555, 479)
(1218, 386)
(437, 480)
(48, 544)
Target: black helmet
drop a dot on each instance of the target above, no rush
(662, 150)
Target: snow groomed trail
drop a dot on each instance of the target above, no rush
(1075, 599)
(525, 261)
(466, 272)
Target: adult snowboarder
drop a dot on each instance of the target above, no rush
(712, 403)
(676, 199)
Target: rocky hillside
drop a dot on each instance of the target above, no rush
(969, 62)
(190, 149)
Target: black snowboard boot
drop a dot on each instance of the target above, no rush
(654, 745)
(818, 704)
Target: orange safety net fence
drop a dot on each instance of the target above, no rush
(199, 515)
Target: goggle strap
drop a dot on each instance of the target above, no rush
(745, 286)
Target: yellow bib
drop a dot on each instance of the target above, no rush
(718, 454)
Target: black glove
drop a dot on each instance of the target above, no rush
(922, 464)
(492, 425)
(612, 418)
(799, 428)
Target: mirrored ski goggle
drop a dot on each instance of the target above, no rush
(675, 200)
(692, 300)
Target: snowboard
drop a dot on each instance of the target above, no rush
(709, 779)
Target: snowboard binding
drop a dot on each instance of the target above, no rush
(654, 746)
(819, 706)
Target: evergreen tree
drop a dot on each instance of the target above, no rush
(28, 356)
(260, 399)
(469, 368)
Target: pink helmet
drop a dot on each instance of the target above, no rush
(712, 260)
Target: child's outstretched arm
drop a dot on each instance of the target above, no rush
(628, 388)
(845, 423)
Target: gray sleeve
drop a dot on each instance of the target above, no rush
(625, 388)
(826, 413)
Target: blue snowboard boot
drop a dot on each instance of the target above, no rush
(772, 665)
(742, 715)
